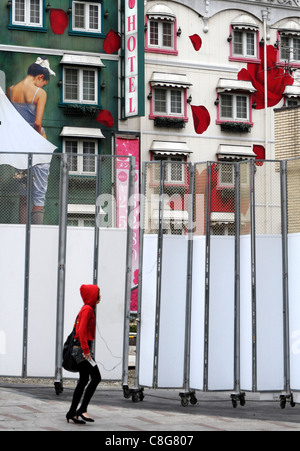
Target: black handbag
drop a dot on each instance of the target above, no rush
(69, 363)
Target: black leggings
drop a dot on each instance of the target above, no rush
(86, 370)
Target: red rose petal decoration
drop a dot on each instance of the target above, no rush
(201, 118)
(59, 21)
(105, 118)
(196, 41)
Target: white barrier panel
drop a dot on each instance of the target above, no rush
(171, 351)
(110, 312)
(294, 308)
(269, 305)
(42, 301)
(197, 315)
(221, 314)
(246, 332)
(148, 310)
(12, 266)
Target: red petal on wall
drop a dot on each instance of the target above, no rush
(277, 78)
(59, 20)
(201, 118)
(105, 118)
(260, 154)
(196, 41)
(112, 42)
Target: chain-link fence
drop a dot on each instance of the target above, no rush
(64, 224)
(218, 277)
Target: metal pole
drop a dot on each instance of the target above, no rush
(27, 266)
(130, 225)
(237, 350)
(61, 271)
(253, 273)
(284, 220)
(97, 220)
(189, 278)
(159, 271)
(207, 276)
(141, 249)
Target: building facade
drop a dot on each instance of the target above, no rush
(208, 95)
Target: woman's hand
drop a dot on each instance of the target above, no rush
(87, 356)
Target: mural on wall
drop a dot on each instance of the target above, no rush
(277, 78)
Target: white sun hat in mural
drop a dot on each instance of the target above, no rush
(44, 62)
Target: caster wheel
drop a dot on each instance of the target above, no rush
(184, 401)
(193, 400)
(142, 396)
(135, 397)
(282, 403)
(242, 401)
(234, 403)
(58, 386)
(126, 392)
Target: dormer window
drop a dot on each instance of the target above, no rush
(243, 39)
(161, 26)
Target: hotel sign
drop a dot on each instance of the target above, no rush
(134, 90)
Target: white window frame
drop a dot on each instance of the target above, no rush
(86, 28)
(244, 34)
(244, 175)
(27, 10)
(80, 158)
(168, 112)
(168, 169)
(290, 51)
(160, 45)
(234, 116)
(80, 70)
(80, 219)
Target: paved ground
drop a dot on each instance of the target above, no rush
(36, 407)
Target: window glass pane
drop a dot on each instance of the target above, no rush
(285, 48)
(176, 170)
(250, 44)
(296, 48)
(71, 147)
(94, 17)
(89, 163)
(176, 104)
(167, 34)
(20, 10)
(34, 11)
(238, 42)
(241, 107)
(79, 16)
(226, 106)
(160, 100)
(71, 84)
(153, 33)
(226, 174)
(89, 85)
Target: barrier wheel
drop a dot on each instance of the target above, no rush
(184, 401)
(193, 400)
(126, 392)
(58, 386)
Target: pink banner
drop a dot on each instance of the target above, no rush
(129, 147)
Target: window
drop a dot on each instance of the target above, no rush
(234, 107)
(227, 175)
(80, 85)
(82, 162)
(244, 43)
(28, 13)
(243, 39)
(168, 102)
(81, 220)
(290, 48)
(293, 102)
(161, 36)
(174, 173)
(87, 17)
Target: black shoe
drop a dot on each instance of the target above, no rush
(75, 420)
(89, 420)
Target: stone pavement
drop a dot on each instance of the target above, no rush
(36, 407)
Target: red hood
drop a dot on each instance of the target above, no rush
(89, 294)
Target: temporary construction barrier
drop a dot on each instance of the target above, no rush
(81, 238)
(218, 292)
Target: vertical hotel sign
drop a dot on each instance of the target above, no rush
(134, 58)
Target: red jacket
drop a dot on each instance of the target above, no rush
(86, 321)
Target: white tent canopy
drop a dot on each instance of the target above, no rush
(17, 137)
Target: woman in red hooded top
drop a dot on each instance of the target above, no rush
(85, 335)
